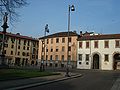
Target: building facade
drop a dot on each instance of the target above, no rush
(54, 52)
(98, 51)
(20, 50)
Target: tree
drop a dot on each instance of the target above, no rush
(10, 7)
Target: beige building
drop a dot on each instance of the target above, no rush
(54, 52)
(98, 51)
(20, 50)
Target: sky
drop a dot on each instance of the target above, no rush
(100, 16)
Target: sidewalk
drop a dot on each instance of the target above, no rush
(30, 82)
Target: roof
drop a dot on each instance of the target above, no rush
(99, 37)
(19, 36)
(60, 34)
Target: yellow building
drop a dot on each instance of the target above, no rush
(54, 52)
(20, 50)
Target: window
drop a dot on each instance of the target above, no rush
(96, 44)
(56, 57)
(106, 57)
(19, 41)
(51, 40)
(47, 41)
(80, 63)
(69, 39)
(69, 48)
(56, 48)
(11, 52)
(34, 44)
(80, 57)
(50, 57)
(33, 56)
(46, 49)
(28, 43)
(51, 50)
(80, 44)
(24, 48)
(23, 53)
(63, 48)
(63, 40)
(18, 53)
(87, 63)
(46, 57)
(18, 47)
(87, 57)
(12, 40)
(57, 40)
(6, 45)
(4, 51)
(117, 43)
(34, 50)
(106, 44)
(12, 46)
(87, 44)
(62, 57)
(24, 42)
(27, 48)
(27, 54)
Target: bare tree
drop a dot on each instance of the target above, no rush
(10, 7)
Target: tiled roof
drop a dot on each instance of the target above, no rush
(60, 34)
(19, 36)
(99, 37)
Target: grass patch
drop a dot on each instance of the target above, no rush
(8, 74)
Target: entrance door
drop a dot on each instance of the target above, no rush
(96, 61)
(116, 61)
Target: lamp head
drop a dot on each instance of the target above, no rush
(72, 8)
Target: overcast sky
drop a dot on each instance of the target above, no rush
(100, 16)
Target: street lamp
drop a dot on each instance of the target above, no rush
(70, 8)
(4, 26)
(46, 31)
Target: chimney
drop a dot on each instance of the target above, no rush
(80, 33)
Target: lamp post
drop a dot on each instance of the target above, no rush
(4, 26)
(46, 31)
(70, 8)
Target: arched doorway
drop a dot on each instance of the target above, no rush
(116, 61)
(96, 61)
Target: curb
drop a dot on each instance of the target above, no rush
(43, 83)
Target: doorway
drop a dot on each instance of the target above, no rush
(116, 61)
(96, 61)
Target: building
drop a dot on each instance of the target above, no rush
(20, 50)
(98, 51)
(54, 51)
